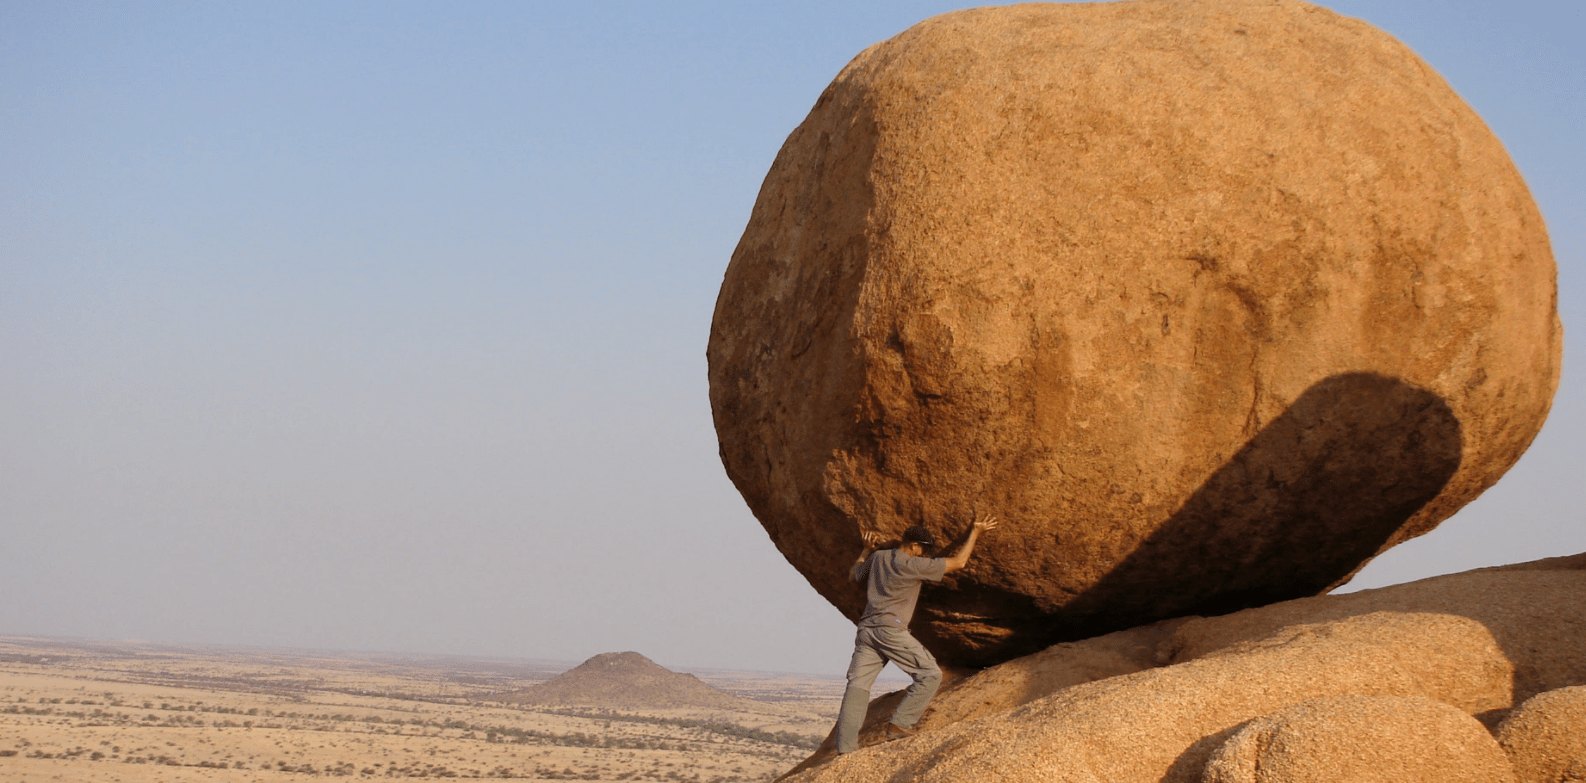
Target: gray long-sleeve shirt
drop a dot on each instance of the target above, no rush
(894, 585)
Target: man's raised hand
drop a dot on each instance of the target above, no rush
(985, 523)
(980, 525)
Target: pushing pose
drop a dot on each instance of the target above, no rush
(893, 587)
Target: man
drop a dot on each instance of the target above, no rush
(893, 587)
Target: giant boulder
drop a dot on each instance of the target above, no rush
(1211, 301)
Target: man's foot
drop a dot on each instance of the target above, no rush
(894, 731)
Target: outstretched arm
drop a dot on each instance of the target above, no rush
(961, 559)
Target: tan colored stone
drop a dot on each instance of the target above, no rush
(1480, 642)
(1361, 739)
(1015, 683)
(1546, 737)
(1211, 300)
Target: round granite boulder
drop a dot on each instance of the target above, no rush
(1361, 739)
(1211, 301)
(1546, 737)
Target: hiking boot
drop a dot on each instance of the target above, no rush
(894, 731)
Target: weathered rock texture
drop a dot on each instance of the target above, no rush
(1211, 300)
(627, 680)
(1546, 737)
(1361, 739)
(1152, 704)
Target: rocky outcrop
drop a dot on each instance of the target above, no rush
(1152, 705)
(1210, 300)
(1546, 737)
(1361, 739)
(627, 680)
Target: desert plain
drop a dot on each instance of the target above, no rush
(124, 712)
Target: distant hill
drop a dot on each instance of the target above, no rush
(628, 680)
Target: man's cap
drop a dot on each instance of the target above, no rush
(919, 535)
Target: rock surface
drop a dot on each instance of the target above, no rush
(627, 680)
(1151, 705)
(1210, 300)
(1546, 737)
(1361, 739)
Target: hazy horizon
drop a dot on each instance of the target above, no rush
(381, 326)
(890, 675)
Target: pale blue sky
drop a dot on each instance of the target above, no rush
(381, 325)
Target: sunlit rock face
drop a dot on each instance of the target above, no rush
(1543, 738)
(1211, 301)
(1393, 739)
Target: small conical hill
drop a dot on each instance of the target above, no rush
(627, 680)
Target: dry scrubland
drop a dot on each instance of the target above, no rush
(74, 711)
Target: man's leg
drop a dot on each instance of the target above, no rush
(906, 652)
(862, 671)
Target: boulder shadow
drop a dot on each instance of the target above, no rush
(1315, 494)
(1300, 507)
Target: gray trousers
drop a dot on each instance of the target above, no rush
(873, 648)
